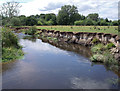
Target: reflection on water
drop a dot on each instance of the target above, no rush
(56, 66)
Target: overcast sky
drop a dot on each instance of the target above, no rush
(105, 8)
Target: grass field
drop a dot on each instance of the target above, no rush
(98, 29)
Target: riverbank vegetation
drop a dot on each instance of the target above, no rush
(11, 50)
(102, 54)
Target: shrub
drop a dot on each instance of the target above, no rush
(11, 50)
(89, 22)
(9, 38)
(97, 48)
(109, 58)
(97, 57)
(15, 21)
(31, 30)
(39, 23)
(11, 53)
(109, 45)
(79, 23)
(95, 40)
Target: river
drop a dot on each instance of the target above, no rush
(56, 66)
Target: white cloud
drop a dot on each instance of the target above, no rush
(39, 46)
(87, 83)
(106, 8)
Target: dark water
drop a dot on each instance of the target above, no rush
(56, 66)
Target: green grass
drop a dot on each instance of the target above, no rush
(97, 29)
(11, 50)
(11, 53)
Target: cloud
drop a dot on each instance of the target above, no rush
(54, 6)
(87, 83)
(105, 8)
(41, 47)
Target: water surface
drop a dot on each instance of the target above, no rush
(56, 66)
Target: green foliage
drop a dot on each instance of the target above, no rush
(97, 58)
(23, 20)
(40, 23)
(103, 22)
(9, 38)
(31, 21)
(89, 22)
(115, 23)
(109, 58)
(15, 21)
(11, 53)
(67, 15)
(95, 40)
(11, 50)
(109, 45)
(31, 31)
(50, 22)
(102, 53)
(93, 16)
(97, 48)
(79, 22)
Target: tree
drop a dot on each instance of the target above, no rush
(81, 22)
(23, 19)
(89, 22)
(93, 16)
(30, 21)
(115, 23)
(106, 20)
(42, 16)
(15, 21)
(51, 17)
(10, 9)
(103, 23)
(83, 17)
(67, 15)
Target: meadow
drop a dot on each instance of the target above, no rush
(95, 29)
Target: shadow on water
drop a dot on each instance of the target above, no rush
(79, 49)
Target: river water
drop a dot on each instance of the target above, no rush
(56, 66)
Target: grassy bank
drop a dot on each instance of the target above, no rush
(102, 53)
(98, 29)
(11, 50)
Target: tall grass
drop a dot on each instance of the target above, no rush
(102, 53)
(11, 49)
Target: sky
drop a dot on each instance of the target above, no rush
(105, 8)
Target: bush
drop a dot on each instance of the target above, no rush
(15, 21)
(11, 50)
(97, 58)
(50, 22)
(109, 58)
(11, 53)
(95, 40)
(79, 23)
(39, 23)
(109, 45)
(9, 38)
(31, 30)
(88, 22)
(97, 48)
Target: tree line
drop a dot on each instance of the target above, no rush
(67, 15)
